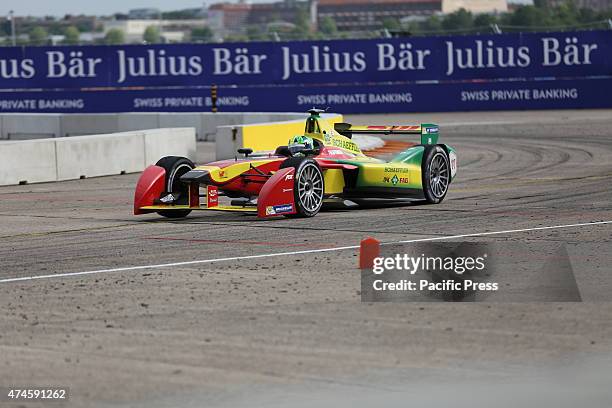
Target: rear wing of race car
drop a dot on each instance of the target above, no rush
(428, 131)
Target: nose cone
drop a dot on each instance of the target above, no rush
(196, 176)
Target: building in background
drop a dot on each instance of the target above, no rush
(475, 6)
(144, 14)
(170, 30)
(368, 15)
(224, 18)
(597, 5)
(91, 37)
(349, 15)
(278, 12)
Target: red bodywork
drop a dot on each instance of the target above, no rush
(277, 194)
(150, 186)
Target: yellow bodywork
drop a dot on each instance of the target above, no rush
(221, 175)
(186, 207)
(406, 175)
(334, 181)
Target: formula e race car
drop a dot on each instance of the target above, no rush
(323, 165)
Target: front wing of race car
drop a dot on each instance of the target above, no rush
(275, 198)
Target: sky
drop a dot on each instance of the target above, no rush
(97, 7)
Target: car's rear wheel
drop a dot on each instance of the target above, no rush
(175, 167)
(436, 174)
(309, 186)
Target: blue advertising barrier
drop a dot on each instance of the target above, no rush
(446, 58)
(465, 96)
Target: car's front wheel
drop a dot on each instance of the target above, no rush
(436, 174)
(175, 167)
(309, 186)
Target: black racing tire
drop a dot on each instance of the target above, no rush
(175, 167)
(435, 174)
(308, 186)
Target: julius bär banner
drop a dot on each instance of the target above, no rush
(460, 96)
(445, 58)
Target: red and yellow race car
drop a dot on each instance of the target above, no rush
(322, 165)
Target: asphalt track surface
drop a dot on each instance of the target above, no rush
(290, 330)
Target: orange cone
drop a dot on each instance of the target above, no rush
(369, 249)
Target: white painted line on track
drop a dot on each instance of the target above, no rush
(310, 251)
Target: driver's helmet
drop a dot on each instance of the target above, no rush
(303, 140)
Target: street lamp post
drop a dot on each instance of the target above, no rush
(160, 24)
(12, 18)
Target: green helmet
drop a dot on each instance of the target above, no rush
(304, 140)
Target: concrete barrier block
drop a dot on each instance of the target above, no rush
(127, 122)
(107, 154)
(282, 117)
(181, 120)
(94, 124)
(20, 126)
(210, 122)
(213, 120)
(254, 117)
(229, 139)
(250, 118)
(169, 142)
(102, 155)
(31, 161)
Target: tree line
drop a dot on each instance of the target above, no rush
(536, 17)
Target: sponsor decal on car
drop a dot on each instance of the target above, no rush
(289, 177)
(396, 170)
(345, 144)
(279, 209)
(212, 196)
(396, 180)
(282, 209)
(431, 130)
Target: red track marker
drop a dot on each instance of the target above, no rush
(369, 249)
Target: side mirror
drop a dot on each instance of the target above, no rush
(246, 151)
